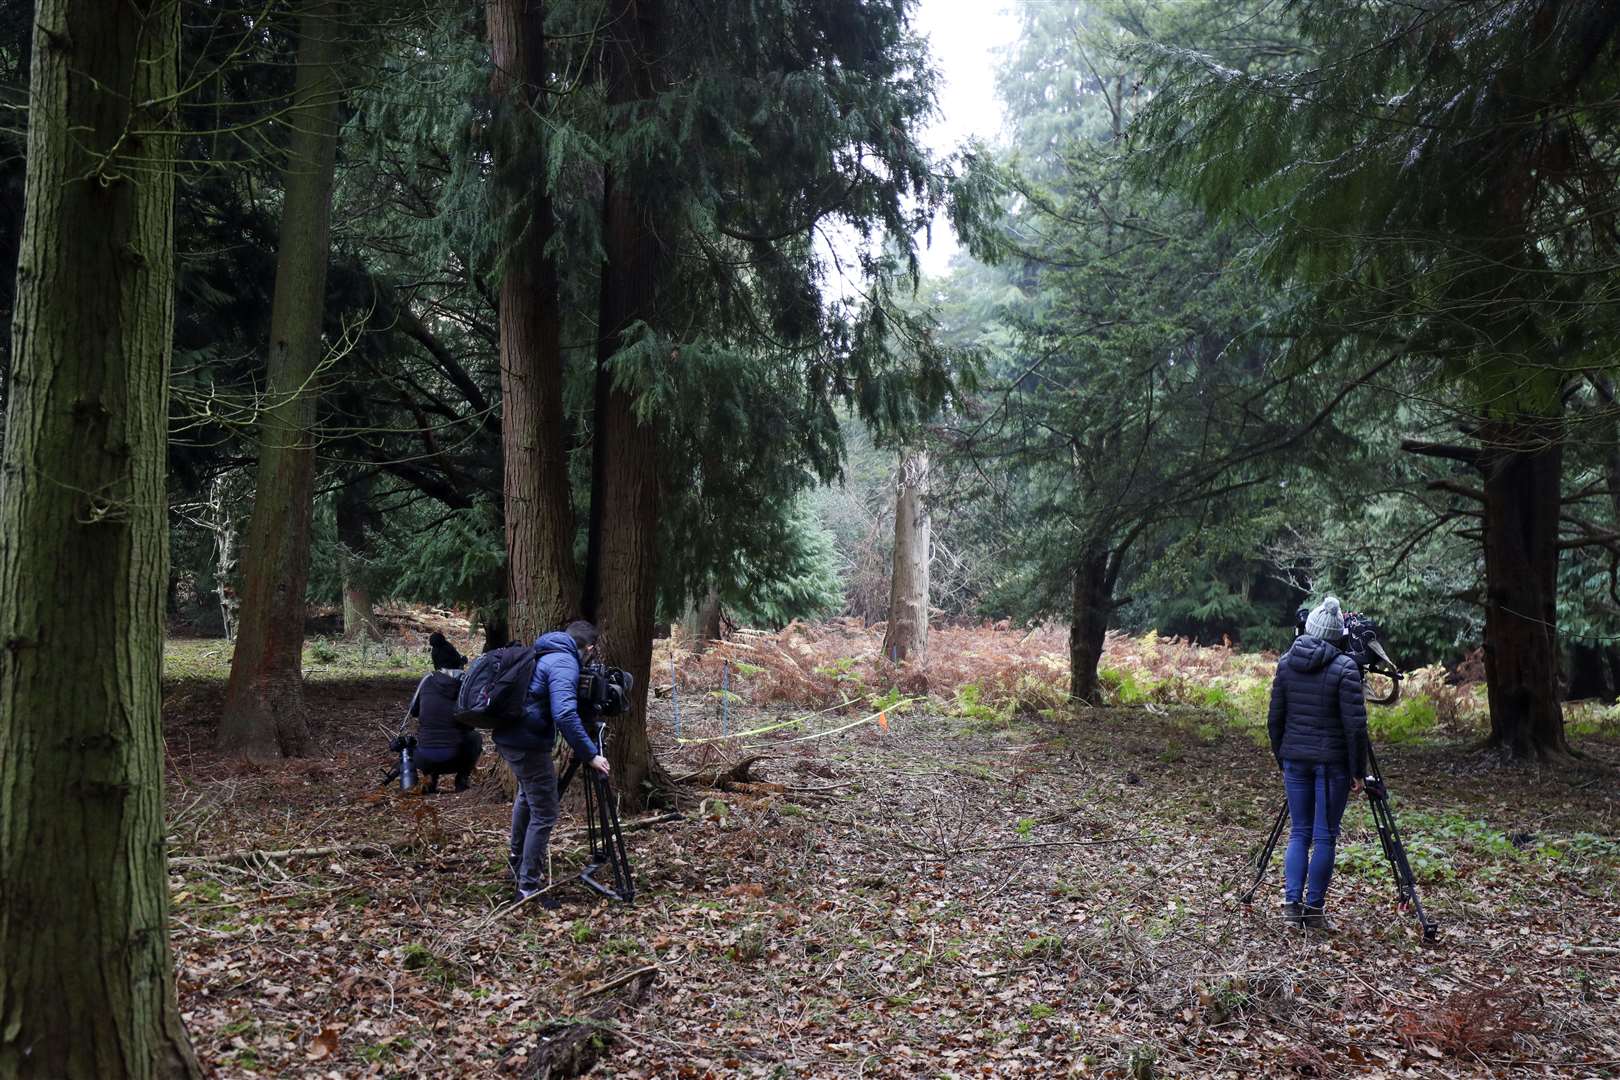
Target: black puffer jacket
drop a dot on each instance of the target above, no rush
(435, 704)
(1317, 710)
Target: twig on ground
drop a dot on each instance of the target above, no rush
(249, 857)
(619, 980)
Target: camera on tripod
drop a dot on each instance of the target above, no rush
(1361, 642)
(603, 690)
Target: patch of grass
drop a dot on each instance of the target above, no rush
(1044, 947)
(581, 932)
(1040, 1011)
(209, 659)
(237, 1027)
(379, 1052)
(1025, 827)
(429, 965)
(622, 946)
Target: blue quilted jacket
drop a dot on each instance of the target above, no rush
(552, 704)
(1318, 713)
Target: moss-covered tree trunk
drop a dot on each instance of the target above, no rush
(622, 575)
(1522, 464)
(543, 582)
(907, 635)
(86, 974)
(264, 703)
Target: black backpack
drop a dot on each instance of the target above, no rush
(494, 687)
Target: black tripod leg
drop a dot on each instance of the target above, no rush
(1264, 861)
(613, 841)
(1389, 836)
(606, 840)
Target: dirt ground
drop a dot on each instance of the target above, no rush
(940, 899)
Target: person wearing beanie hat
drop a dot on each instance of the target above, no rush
(1318, 729)
(442, 744)
(1326, 620)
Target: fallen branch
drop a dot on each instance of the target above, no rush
(719, 775)
(249, 857)
(635, 826)
(619, 980)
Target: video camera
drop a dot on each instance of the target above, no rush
(1360, 642)
(604, 691)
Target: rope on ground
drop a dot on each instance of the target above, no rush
(880, 718)
(797, 720)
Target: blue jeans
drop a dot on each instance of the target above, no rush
(534, 812)
(1316, 796)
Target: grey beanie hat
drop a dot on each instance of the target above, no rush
(1326, 620)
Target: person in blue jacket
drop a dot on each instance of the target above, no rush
(1318, 729)
(552, 705)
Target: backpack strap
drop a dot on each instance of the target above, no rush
(409, 709)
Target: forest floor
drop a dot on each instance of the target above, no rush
(1049, 896)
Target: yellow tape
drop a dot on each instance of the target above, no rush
(880, 718)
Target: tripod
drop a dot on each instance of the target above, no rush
(602, 831)
(1389, 838)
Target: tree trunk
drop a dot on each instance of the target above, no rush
(543, 582)
(353, 520)
(625, 587)
(1588, 674)
(87, 984)
(622, 566)
(222, 524)
(1093, 605)
(264, 705)
(907, 634)
(1523, 465)
(706, 621)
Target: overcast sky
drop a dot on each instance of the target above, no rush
(965, 36)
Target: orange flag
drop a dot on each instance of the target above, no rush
(883, 720)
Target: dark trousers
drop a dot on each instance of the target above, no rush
(534, 812)
(461, 761)
(1316, 797)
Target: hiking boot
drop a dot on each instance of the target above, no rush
(543, 898)
(1314, 919)
(1294, 915)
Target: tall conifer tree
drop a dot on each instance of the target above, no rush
(86, 974)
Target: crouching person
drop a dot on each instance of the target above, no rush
(442, 744)
(552, 706)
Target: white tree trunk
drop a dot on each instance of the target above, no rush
(907, 635)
